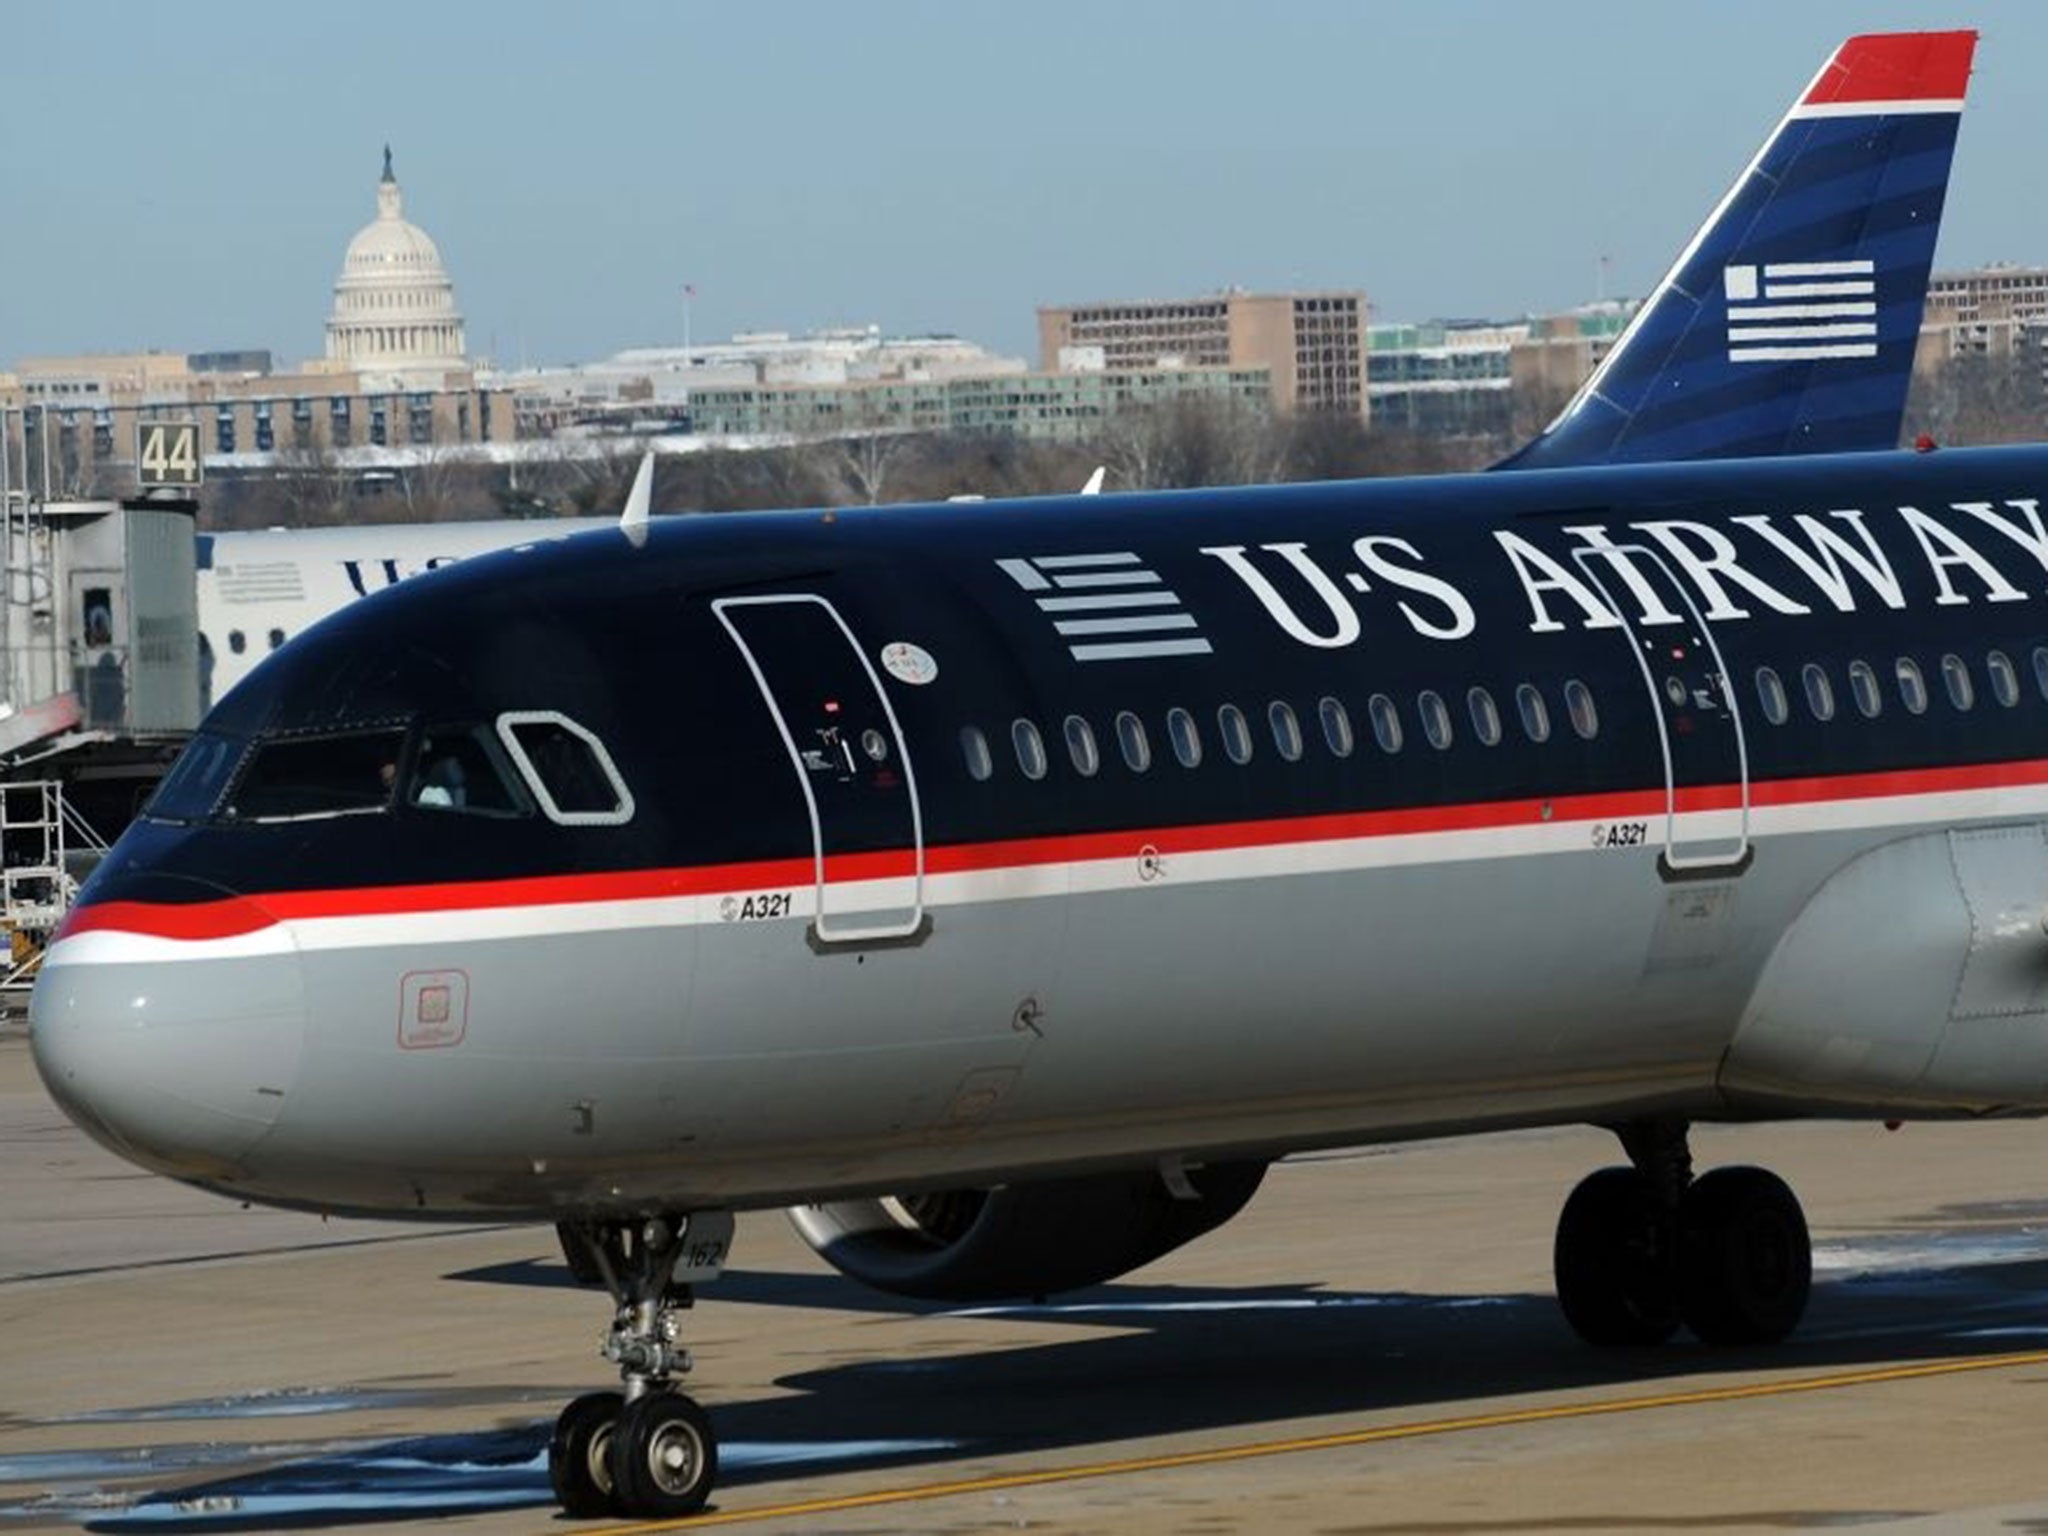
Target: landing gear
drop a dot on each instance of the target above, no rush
(664, 1457)
(1614, 1263)
(579, 1455)
(1748, 1259)
(648, 1452)
(1643, 1248)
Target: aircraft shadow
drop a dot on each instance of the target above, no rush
(1168, 1360)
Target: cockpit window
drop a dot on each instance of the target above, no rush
(332, 775)
(566, 767)
(464, 768)
(191, 790)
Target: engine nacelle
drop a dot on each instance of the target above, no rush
(1021, 1239)
(1915, 981)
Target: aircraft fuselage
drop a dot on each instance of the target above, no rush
(934, 862)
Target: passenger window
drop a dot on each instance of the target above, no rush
(1485, 716)
(1534, 712)
(331, 775)
(1955, 676)
(1386, 722)
(239, 642)
(1336, 727)
(1286, 730)
(1770, 692)
(1187, 740)
(1864, 690)
(981, 763)
(1030, 747)
(192, 788)
(1912, 686)
(2005, 678)
(1578, 707)
(1436, 718)
(1237, 735)
(1820, 691)
(567, 768)
(463, 768)
(276, 639)
(2041, 669)
(1130, 735)
(1081, 747)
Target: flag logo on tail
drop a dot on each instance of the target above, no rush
(1109, 607)
(1793, 311)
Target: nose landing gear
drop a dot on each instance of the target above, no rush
(647, 1452)
(1642, 1249)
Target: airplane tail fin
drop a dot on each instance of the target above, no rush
(1788, 325)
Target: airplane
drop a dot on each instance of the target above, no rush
(1864, 192)
(1004, 889)
(1741, 353)
(257, 588)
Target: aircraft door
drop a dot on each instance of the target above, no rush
(850, 760)
(1699, 725)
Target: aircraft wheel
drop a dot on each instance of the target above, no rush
(1613, 1261)
(663, 1457)
(579, 1455)
(1748, 1259)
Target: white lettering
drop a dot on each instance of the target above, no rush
(1832, 552)
(1711, 562)
(1930, 533)
(1538, 574)
(2034, 540)
(1652, 606)
(1343, 616)
(1462, 619)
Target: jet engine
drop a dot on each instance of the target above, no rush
(1021, 1240)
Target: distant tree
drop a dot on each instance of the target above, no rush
(1329, 445)
(446, 483)
(1193, 442)
(865, 454)
(1535, 404)
(1977, 398)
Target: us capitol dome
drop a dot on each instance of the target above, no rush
(394, 320)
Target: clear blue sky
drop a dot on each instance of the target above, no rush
(186, 176)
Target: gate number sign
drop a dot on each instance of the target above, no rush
(167, 453)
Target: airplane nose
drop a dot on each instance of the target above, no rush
(179, 1061)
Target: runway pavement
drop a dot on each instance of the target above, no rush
(1371, 1349)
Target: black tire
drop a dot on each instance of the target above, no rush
(579, 1456)
(1613, 1260)
(664, 1457)
(1747, 1257)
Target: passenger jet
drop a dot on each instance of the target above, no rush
(1004, 887)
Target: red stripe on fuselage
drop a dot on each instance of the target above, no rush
(239, 915)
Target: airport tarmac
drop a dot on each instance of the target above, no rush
(1370, 1350)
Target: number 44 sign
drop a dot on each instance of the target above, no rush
(167, 453)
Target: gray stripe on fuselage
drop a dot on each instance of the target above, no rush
(1136, 648)
(1121, 600)
(1125, 626)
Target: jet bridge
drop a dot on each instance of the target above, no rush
(99, 684)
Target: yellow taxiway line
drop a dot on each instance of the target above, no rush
(1414, 1430)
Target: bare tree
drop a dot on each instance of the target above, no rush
(1193, 442)
(307, 485)
(1329, 445)
(586, 477)
(1977, 398)
(866, 457)
(445, 482)
(1535, 404)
